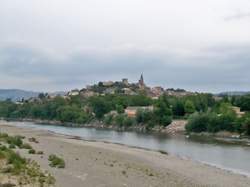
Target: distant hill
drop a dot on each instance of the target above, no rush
(234, 93)
(16, 94)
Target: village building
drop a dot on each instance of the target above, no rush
(238, 112)
(178, 92)
(125, 82)
(132, 110)
(87, 93)
(128, 91)
(74, 92)
(109, 91)
(157, 91)
(108, 83)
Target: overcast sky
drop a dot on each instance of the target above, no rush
(49, 45)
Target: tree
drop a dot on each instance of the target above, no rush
(178, 108)
(246, 126)
(189, 107)
(162, 112)
(197, 123)
(100, 106)
(119, 109)
(144, 116)
(41, 96)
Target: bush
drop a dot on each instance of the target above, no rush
(197, 122)
(108, 119)
(246, 126)
(16, 160)
(14, 140)
(212, 122)
(32, 151)
(26, 146)
(32, 139)
(12, 146)
(3, 135)
(57, 162)
(144, 116)
(119, 120)
(128, 122)
(39, 152)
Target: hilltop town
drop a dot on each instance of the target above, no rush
(127, 88)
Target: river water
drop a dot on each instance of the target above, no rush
(231, 157)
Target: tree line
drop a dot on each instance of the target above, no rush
(79, 110)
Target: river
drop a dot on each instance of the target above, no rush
(231, 157)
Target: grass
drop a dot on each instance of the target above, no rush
(23, 170)
(26, 146)
(57, 162)
(14, 140)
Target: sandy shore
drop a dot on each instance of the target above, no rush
(97, 164)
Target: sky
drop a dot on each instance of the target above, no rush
(52, 45)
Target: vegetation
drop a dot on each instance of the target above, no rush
(77, 110)
(201, 110)
(57, 162)
(222, 117)
(23, 170)
(32, 151)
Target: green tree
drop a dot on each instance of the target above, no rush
(189, 107)
(100, 106)
(119, 109)
(178, 108)
(162, 111)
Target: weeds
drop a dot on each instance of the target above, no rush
(57, 162)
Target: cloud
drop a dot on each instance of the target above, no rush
(61, 44)
(224, 68)
(237, 16)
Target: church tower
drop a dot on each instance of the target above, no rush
(141, 82)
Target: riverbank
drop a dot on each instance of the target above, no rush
(104, 164)
(176, 127)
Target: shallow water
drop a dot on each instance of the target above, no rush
(227, 156)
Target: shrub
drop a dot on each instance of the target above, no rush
(212, 122)
(16, 161)
(39, 152)
(144, 116)
(189, 107)
(33, 140)
(3, 135)
(246, 126)
(15, 140)
(128, 122)
(12, 146)
(26, 146)
(108, 119)
(119, 120)
(197, 123)
(57, 162)
(32, 151)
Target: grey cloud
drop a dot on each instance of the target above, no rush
(224, 69)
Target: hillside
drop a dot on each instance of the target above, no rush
(16, 94)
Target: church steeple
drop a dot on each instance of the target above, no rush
(141, 82)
